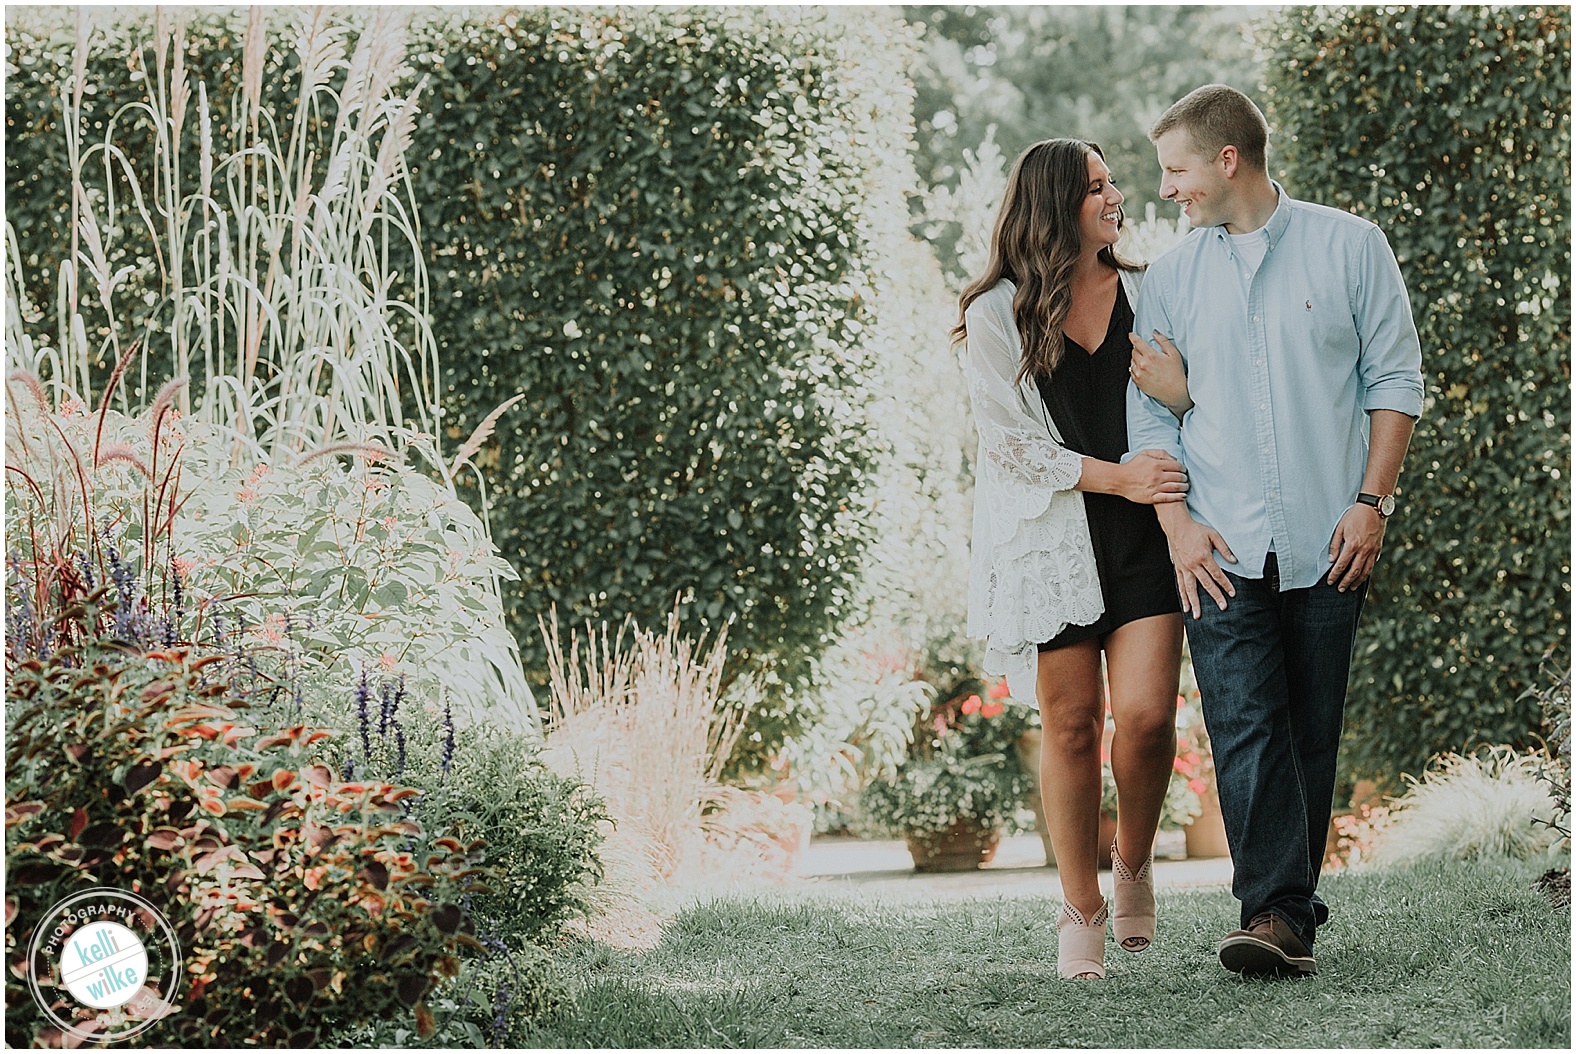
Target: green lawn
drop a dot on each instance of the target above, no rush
(1466, 955)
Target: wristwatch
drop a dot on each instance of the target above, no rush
(1385, 503)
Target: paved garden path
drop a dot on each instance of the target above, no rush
(850, 866)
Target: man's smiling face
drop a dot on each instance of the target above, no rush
(1193, 182)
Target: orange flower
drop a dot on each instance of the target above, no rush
(999, 689)
(971, 705)
(992, 708)
(1197, 786)
(1179, 765)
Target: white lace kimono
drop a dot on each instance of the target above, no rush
(1032, 571)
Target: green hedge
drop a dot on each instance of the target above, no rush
(1450, 128)
(653, 224)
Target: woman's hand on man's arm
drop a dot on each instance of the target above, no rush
(1151, 477)
(1160, 374)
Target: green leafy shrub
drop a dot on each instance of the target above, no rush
(653, 223)
(1450, 128)
(296, 897)
(342, 562)
(1555, 769)
(541, 830)
(370, 562)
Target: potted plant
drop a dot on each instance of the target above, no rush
(961, 784)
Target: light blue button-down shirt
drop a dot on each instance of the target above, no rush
(1282, 366)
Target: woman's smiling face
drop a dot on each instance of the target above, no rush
(1098, 219)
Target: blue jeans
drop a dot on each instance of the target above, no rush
(1271, 671)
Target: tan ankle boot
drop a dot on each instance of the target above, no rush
(1080, 944)
(1133, 920)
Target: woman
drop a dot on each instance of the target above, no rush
(1069, 559)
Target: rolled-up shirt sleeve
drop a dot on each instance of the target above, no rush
(1150, 423)
(1390, 357)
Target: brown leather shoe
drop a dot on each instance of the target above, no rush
(1267, 948)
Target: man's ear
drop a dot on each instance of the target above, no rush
(1229, 160)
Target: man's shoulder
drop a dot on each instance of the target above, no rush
(1337, 221)
(1178, 258)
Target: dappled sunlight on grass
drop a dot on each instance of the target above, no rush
(1464, 955)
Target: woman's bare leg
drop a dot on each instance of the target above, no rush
(1072, 718)
(1143, 661)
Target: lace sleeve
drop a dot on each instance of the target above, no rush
(1021, 465)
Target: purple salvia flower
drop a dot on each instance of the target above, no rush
(448, 736)
(89, 579)
(501, 1000)
(363, 693)
(385, 708)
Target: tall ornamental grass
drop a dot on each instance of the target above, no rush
(299, 354)
(640, 717)
(272, 259)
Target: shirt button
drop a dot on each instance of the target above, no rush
(1255, 318)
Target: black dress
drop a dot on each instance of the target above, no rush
(1087, 398)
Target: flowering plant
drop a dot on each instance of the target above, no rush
(963, 765)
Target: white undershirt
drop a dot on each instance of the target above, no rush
(1250, 249)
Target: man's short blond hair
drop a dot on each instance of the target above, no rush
(1217, 116)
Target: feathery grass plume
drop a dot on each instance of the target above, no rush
(122, 452)
(1469, 807)
(637, 715)
(482, 433)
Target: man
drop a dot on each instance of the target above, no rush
(1304, 372)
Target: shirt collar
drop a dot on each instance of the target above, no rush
(1276, 226)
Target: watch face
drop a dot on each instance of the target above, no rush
(1387, 504)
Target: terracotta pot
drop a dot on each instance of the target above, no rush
(1206, 836)
(964, 847)
(1029, 760)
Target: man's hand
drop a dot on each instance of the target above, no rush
(1193, 548)
(1354, 548)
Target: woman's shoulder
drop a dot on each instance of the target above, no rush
(997, 300)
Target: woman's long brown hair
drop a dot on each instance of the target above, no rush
(1036, 244)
